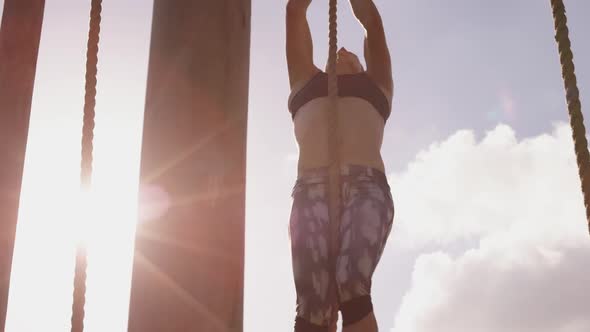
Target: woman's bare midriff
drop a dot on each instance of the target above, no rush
(361, 134)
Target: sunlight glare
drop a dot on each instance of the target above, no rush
(54, 214)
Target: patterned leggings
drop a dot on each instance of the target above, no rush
(366, 221)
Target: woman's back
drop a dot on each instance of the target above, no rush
(362, 112)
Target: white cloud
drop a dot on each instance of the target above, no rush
(465, 189)
(498, 290)
(521, 201)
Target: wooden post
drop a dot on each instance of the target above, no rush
(189, 262)
(20, 34)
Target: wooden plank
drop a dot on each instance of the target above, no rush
(189, 263)
(20, 35)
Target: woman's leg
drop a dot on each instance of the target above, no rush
(367, 219)
(367, 324)
(309, 231)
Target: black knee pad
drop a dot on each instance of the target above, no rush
(356, 309)
(301, 325)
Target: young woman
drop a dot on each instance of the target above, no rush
(364, 105)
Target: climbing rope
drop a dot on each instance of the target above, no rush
(87, 157)
(333, 144)
(573, 100)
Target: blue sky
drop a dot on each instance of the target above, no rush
(457, 65)
(479, 159)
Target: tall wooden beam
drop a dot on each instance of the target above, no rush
(20, 34)
(189, 263)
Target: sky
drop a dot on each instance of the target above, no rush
(489, 233)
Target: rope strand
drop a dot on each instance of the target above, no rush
(333, 147)
(573, 100)
(79, 295)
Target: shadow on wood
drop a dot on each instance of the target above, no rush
(189, 262)
(20, 34)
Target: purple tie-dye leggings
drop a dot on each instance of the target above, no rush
(366, 221)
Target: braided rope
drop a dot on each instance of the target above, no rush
(573, 100)
(333, 145)
(87, 158)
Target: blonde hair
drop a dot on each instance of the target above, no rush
(358, 64)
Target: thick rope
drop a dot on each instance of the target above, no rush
(333, 147)
(573, 100)
(87, 158)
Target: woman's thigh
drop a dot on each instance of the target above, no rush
(309, 231)
(367, 219)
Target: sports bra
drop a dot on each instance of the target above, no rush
(349, 85)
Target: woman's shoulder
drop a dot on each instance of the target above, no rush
(387, 93)
(298, 86)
